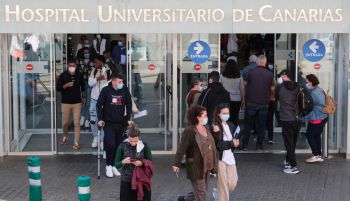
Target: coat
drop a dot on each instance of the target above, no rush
(189, 145)
(142, 177)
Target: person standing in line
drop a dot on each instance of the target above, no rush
(133, 153)
(287, 96)
(99, 77)
(251, 65)
(198, 145)
(233, 83)
(113, 103)
(316, 119)
(259, 85)
(226, 142)
(213, 95)
(71, 85)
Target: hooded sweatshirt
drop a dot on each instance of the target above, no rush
(111, 105)
(287, 95)
(214, 95)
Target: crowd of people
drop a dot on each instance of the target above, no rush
(213, 128)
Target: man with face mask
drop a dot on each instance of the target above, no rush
(114, 108)
(71, 85)
(214, 95)
(287, 96)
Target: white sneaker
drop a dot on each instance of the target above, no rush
(314, 159)
(104, 155)
(286, 164)
(109, 171)
(94, 142)
(115, 171)
(87, 123)
(82, 120)
(292, 170)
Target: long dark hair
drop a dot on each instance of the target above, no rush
(218, 109)
(231, 69)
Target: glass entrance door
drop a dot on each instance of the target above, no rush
(31, 101)
(149, 72)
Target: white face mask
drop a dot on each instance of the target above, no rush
(98, 36)
(71, 69)
(280, 80)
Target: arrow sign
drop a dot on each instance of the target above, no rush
(198, 48)
(314, 47)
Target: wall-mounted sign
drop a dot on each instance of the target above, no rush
(199, 52)
(151, 67)
(197, 67)
(317, 66)
(314, 50)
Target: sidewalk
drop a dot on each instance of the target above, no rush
(260, 179)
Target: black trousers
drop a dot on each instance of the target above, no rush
(290, 131)
(127, 194)
(113, 136)
(235, 106)
(269, 122)
(313, 135)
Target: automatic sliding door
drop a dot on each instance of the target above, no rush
(30, 94)
(151, 87)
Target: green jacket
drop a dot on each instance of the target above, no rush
(194, 158)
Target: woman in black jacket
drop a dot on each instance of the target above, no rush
(226, 142)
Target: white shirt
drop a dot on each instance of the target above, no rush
(227, 155)
(97, 85)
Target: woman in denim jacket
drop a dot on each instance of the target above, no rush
(316, 119)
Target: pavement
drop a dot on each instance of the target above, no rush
(260, 179)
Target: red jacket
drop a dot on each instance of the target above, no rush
(141, 177)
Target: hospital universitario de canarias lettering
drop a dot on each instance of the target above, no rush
(107, 13)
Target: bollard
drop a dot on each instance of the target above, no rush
(83, 188)
(35, 192)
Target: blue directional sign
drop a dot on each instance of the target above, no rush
(199, 52)
(314, 50)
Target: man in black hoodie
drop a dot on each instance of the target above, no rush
(287, 95)
(111, 105)
(214, 95)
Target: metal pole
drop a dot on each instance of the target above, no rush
(325, 141)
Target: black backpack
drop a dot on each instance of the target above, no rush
(305, 102)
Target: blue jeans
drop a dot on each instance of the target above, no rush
(260, 114)
(93, 120)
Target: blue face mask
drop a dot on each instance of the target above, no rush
(86, 56)
(307, 86)
(224, 117)
(205, 121)
(120, 86)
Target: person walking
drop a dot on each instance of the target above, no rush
(114, 107)
(259, 85)
(233, 83)
(287, 95)
(198, 145)
(226, 142)
(316, 119)
(213, 95)
(99, 76)
(71, 85)
(133, 154)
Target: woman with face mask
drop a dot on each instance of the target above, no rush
(316, 119)
(226, 141)
(198, 145)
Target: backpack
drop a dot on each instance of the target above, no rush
(305, 102)
(331, 106)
